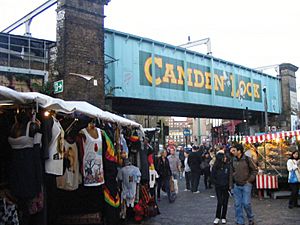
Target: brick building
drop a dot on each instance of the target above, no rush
(77, 57)
(176, 127)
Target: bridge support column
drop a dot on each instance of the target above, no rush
(80, 50)
(289, 115)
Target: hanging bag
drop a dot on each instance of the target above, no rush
(172, 188)
(36, 204)
(175, 185)
(293, 177)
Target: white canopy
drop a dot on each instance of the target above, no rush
(44, 101)
(59, 105)
(9, 94)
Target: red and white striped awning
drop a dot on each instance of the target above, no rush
(265, 181)
(265, 137)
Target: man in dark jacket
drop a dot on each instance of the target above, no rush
(244, 173)
(194, 162)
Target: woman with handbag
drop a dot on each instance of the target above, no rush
(293, 166)
(164, 172)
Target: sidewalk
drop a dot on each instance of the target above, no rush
(199, 209)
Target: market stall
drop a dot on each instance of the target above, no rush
(272, 149)
(74, 177)
(271, 152)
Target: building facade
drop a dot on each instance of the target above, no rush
(23, 62)
(176, 127)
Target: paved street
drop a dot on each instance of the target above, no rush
(199, 209)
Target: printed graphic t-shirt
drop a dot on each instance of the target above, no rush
(153, 176)
(93, 174)
(130, 176)
(71, 178)
(55, 163)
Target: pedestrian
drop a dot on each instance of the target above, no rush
(220, 176)
(187, 172)
(293, 166)
(175, 164)
(194, 161)
(181, 158)
(212, 155)
(206, 169)
(164, 172)
(244, 172)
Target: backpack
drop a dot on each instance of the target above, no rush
(148, 203)
(151, 209)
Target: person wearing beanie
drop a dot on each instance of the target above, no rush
(244, 171)
(220, 176)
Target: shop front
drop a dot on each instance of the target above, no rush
(271, 152)
(66, 162)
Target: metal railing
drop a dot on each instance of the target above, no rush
(23, 52)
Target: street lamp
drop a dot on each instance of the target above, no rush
(266, 122)
(266, 109)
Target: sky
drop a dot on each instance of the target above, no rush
(252, 33)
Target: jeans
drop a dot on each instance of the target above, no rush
(294, 194)
(175, 175)
(222, 197)
(242, 200)
(207, 181)
(195, 177)
(188, 180)
(163, 182)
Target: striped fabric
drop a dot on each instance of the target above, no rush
(265, 137)
(264, 181)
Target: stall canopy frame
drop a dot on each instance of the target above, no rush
(68, 107)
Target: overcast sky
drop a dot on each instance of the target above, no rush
(251, 33)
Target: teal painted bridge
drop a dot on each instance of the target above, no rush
(154, 78)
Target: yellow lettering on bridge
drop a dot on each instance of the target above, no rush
(169, 74)
(148, 63)
(198, 79)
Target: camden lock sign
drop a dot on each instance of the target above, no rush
(170, 73)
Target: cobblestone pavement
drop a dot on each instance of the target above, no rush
(199, 209)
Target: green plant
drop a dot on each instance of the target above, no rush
(45, 88)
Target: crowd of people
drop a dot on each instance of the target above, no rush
(226, 167)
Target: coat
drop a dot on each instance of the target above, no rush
(244, 170)
(293, 164)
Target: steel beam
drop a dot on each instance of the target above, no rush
(23, 71)
(27, 19)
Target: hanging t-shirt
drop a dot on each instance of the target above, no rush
(71, 178)
(54, 164)
(130, 176)
(25, 175)
(123, 144)
(144, 161)
(93, 174)
(153, 176)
